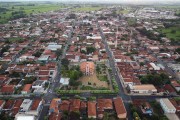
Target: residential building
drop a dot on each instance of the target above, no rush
(167, 106)
(120, 108)
(92, 109)
(26, 89)
(142, 89)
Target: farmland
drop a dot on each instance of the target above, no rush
(86, 9)
(27, 9)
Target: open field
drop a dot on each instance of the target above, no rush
(168, 6)
(171, 33)
(86, 9)
(125, 11)
(5, 16)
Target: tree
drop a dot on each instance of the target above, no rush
(136, 116)
(141, 64)
(4, 49)
(155, 79)
(59, 52)
(90, 49)
(98, 69)
(65, 62)
(173, 31)
(74, 115)
(37, 54)
(177, 50)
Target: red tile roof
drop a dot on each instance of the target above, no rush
(16, 107)
(27, 87)
(9, 104)
(7, 89)
(1, 102)
(175, 104)
(64, 105)
(35, 104)
(119, 106)
(104, 104)
(75, 105)
(55, 116)
(169, 88)
(91, 108)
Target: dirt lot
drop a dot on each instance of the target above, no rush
(93, 80)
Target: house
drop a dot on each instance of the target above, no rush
(2, 102)
(26, 89)
(176, 85)
(7, 89)
(25, 106)
(54, 106)
(35, 107)
(102, 106)
(142, 89)
(146, 108)
(75, 105)
(64, 105)
(170, 90)
(55, 116)
(167, 106)
(16, 107)
(3, 80)
(120, 108)
(91, 109)
(8, 105)
(64, 81)
(176, 104)
(38, 84)
(43, 58)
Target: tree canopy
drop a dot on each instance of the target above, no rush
(155, 79)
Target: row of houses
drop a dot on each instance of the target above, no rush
(21, 108)
(91, 109)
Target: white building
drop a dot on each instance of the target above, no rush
(24, 117)
(167, 106)
(25, 105)
(53, 46)
(155, 67)
(142, 89)
(64, 81)
(38, 84)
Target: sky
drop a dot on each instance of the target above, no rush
(112, 1)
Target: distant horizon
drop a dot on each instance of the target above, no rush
(103, 1)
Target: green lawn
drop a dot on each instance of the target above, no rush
(86, 9)
(4, 17)
(102, 78)
(170, 34)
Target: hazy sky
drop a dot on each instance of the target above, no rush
(117, 1)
